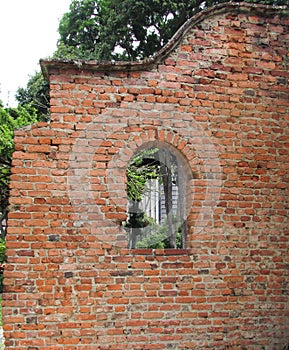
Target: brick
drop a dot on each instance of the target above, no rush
(220, 100)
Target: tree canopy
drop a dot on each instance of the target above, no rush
(120, 30)
(127, 29)
(36, 94)
(115, 30)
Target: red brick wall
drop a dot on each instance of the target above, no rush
(218, 94)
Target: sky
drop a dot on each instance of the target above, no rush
(28, 32)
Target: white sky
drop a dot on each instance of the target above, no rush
(28, 32)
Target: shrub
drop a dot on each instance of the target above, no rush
(160, 239)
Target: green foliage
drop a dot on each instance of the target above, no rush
(115, 30)
(154, 241)
(2, 261)
(79, 30)
(10, 119)
(142, 167)
(127, 29)
(160, 239)
(2, 250)
(36, 95)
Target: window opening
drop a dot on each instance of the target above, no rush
(156, 193)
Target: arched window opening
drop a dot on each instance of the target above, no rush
(156, 190)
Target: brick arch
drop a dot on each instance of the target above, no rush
(96, 179)
(199, 195)
(185, 176)
(139, 141)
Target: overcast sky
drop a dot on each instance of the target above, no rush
(28, 32)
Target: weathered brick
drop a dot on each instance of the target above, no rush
(220, 99)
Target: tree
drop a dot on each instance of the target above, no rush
(115, 30)
(127, 29)
(36, 94)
